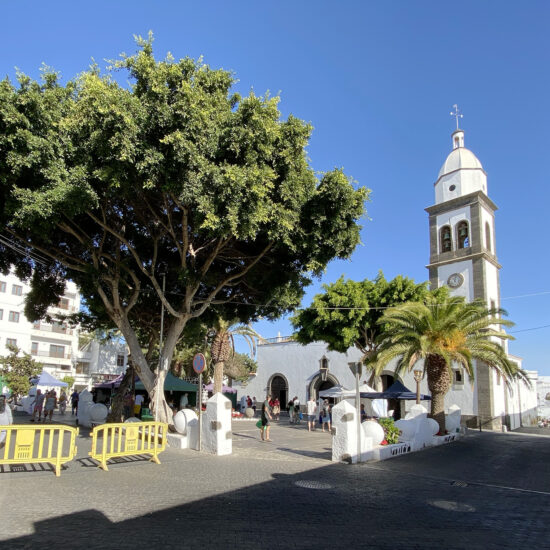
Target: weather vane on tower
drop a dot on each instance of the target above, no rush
(457, 114)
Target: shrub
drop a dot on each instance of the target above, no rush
(391, 431)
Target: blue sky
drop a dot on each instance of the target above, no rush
(377, 80)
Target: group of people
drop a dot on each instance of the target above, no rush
(324, 414)
(294, 413)
(45, 403)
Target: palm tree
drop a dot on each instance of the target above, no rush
(223, 346)
(443, 331)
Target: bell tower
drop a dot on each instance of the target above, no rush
(463, 249)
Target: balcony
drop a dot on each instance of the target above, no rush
(51, 353)
(53, 328)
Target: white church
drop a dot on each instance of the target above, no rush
(463, 257)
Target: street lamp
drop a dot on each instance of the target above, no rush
(418, 377)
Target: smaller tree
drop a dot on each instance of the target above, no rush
(69, 380)
(223, 346)
(346, 314)
(240, 366)
(17, 370)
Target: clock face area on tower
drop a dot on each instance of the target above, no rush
(455, 280)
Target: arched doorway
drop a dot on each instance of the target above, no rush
(278, 387)
(317, 384)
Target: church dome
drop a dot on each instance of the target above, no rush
(457, 159)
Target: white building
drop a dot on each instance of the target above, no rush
(101, 362)
(52, 344)
(55, 345)
(543, 396)
(463, 257)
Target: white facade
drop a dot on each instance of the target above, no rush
(97, 362)
(55, 345)
(52, 344)
(543, 396)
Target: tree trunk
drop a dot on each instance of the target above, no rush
(218, 376)
(117, 403)
(161, 412)
(439, 382)
(438, 410)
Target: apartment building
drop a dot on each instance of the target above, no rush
(52, 344)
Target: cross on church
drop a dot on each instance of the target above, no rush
(457, 114)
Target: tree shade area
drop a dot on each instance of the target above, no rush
(173, 191)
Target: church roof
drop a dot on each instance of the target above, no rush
(459, 158)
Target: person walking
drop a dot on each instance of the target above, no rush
(266, 418)
(74, 402)
(62, 402)
(38, 404)
(311, 410)
(296, 404)
(254, 405)
(291, 411)
(51, 402)
(325, 413)
(276, 409)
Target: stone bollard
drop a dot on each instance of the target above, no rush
(216, 426)
(85, 403)
(452, 419)
(344, 439)
(186, 423)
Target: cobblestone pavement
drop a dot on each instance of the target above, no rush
(484, 491)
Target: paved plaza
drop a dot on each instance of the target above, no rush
(485, 491)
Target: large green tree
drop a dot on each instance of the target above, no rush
(346, 314)
(169, 190)
(443, 331)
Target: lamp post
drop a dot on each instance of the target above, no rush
(418, 377)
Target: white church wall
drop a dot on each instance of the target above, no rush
(465, 182)
(491, 281)
(465, 268)
(528, 399)
(298, 364)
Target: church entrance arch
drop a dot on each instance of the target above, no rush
(317, 384)
(278, 387)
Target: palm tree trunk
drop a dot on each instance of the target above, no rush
(218, 376)
(438, 410)
(439, 382)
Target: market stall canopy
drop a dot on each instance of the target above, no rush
(172, 383)
(46, 379)
(334, 392)
(396, 391)
(225, 389)
(115, 383)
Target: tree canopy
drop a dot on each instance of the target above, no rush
(171, 190)
(346, 314)
(17, 369)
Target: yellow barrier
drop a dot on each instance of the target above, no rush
(126, 439)
(25, 449)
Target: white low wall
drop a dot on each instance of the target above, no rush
(417, 433)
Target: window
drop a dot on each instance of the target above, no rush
(82, 368)
(11, 342)
(34, 348)
(446, 243)
(63, 303)
(13, 317)
(57, 351)
(488, 236)
(463, 237)
(17, 290)
(2, 286)
(120, 360)
(458, 377)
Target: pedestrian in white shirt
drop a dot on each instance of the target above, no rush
(311, 411)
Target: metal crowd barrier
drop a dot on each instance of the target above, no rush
(52, 443)
(127, 439)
